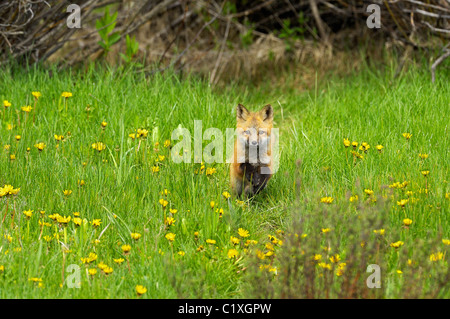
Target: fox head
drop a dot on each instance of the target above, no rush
(254, 128)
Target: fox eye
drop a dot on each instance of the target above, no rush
(262, 132)
(247, 132)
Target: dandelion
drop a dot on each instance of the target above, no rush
(379, 231)
(364, 147)
(346, 142)
(243, 232)
(155, 169)
(6, 104)
(103, 124)
(90, 258)
(28, 213)
(335, 259)
(59, 138)
(40, 146)
(407, 136)
(232, 253)
(96, 222)
(234, 240)
(107, 270)
(211, 241)
(166, 143)
(135, 236)
(368, 191)
(17, 137)
(36, 95)
(446, 242)
(353, 198)
(212, 204)
(77, 221)
(226, 195)
(379, 148)
(402, 202)
(92, 272)
(163, 202)
(181, 253)
(26, 109)
(210, 171)
(66, 94)
(140, 290)
(407, 222)
(169, 221)
(423, 156)
(317, 257)
(325, 230)
(170, 237)
(99, 146)
(142, 133)
(102, 265)
(327, 200)
(118, 260)
(126, 249)
(397, 244)
(173, 210)
(425, 173)
(67, 192)
(354, 145)
(436, 256)
(63, 220)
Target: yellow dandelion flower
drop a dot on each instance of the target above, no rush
(126, 249)
(407, 135)
(397, 244)
(232, 253)
(243, 232)
(170, 237)
(26, 109)
(40, 146)
(346, 142)
(140, 290)
(118, 260)
(36, 94)
(135, 236)
(407, 222)
(436, 256)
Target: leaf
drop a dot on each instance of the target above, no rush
(113, 38)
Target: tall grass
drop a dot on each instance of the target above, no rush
(124, 184)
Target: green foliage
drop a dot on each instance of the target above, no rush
(132, 47)
(291, 34)
(105, 26)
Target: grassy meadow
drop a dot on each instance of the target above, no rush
(100, 203)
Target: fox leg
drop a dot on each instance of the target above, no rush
(236, 185)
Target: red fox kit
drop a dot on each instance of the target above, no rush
(251, 167)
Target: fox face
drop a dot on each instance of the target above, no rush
(253, 131)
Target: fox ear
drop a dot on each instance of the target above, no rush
(267, 113)
(241, 112)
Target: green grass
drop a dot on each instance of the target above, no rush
(122, 190)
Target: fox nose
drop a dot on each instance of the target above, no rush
(254, 143)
